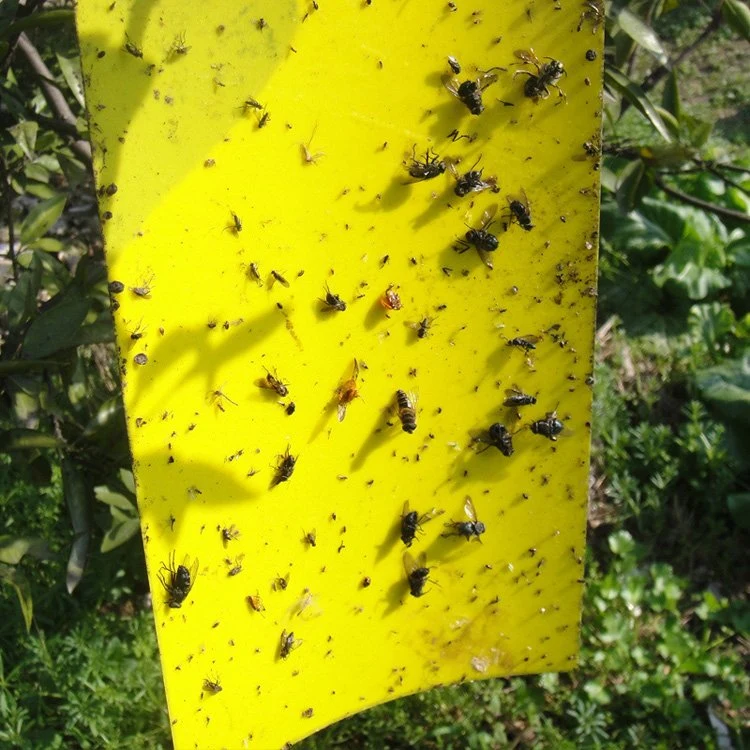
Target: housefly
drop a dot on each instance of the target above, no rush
(430, 166)
(471, 181)
(550, 427)
(484, 241)
(516, 397)
(547, 75)
(411, 522)
(284, 467)
(469, 92)
(467, 529)
(520, 211)
(497, 437)
(177, 580)
(417, 574)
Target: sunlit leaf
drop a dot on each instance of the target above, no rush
(41, 217)
(642, 33)
(20, 583)
(24, 135)
(72, 74)
(13, 549)
(736, 14)
(633, 93)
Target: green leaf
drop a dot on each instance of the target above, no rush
(20, 583)
(26, 439)
(114, 499)
(77, 499)
(121, 530)
(670, 98)
(642, 33)
(41, 217)
(632, 92)
(72, 74)
(685, 274)
(737, 16)
(630, 186)
(13, 549)
(128, 480)
(711, 323)
(24, 135)
(57, 327)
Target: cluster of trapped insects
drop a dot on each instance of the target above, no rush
(541, 78)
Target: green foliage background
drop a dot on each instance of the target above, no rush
(666, 615)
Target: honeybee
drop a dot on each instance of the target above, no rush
(284, 467)
(273, 383)
(407, 410)
(411, 522)
(469, 92)
(471, 181)
(390, 299)
(467, 529)
(520, 211)
(547, 75)
(417, 574)
(347, 392)
(177, 581)
(485, 242)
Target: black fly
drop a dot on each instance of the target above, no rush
(471, 181)
(411, 522)
(426, 168)
(469, 92)
(467, 529)
(484, 241)
(177, 581)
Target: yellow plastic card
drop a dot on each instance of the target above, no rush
(352, 250)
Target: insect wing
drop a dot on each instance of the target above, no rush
(470, 510)
(410, 564)
(488, 216)
(341, 411)
(430, 514)
(527, 56)
(452, 85)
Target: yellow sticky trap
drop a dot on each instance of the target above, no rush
(285, 277)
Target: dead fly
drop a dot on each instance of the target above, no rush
(333, 302)
(284, 467)
(144, 290)
(485, 242)
(411, 522)
(455, 66)
(212, 686)
(417, 574)
(264, 119)
(593, 10)
(347, 392)
(526, 342)
(249, 104)
(310, 538)
(177, 581)
(287, 644)
(132, 49)
(178, 46)
(218, 398)
(471, 181)
(309, 157)
(469, 92)
(278, 277)
(304, 602)
(390, 299)
(236, 226)
(516, 397)
(547, 75)
(422, 327)
(280, 583)
(138, 333)
(520, 211)
(229, 534)
(406, 405)
(427, 168)
(235, 566)
(273, 383)
(550, 427)
(255, 603)
(253, 272)
(498, 437)
(467, 529)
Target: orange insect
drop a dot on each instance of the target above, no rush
(255, 603)
(390, 299)
(347, 392)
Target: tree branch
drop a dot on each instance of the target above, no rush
(8, 200)
(53, 95)
(725, 213)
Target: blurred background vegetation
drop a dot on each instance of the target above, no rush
(666, 614)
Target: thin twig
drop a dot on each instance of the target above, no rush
(726, 213)
(53, 95)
